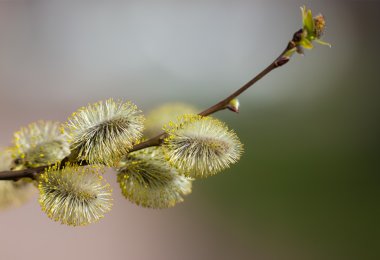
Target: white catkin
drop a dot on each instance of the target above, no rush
(103, 132)
(147, 179)
(201, 146)
(41, 143)
(74, 195)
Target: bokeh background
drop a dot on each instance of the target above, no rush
(307, 186)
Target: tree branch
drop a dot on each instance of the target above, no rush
(158, 140)
(281, 60)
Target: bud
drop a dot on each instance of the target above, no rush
(103, 132)
(313, 29)
(319, 25)
(234, 105)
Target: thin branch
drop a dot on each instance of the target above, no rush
(281, 60)
(16, 175)
(32, 173)
(158, 140)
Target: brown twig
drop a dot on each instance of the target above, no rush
(158, 140)
(281, 60)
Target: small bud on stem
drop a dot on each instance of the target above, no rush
(234, 105)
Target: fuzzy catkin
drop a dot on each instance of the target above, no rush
(146, 178)
(201, 146)
(74, 195)
(40, 143)
(104, 131)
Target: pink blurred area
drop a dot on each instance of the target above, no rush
(127, 232)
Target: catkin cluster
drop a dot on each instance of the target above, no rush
(72, 189)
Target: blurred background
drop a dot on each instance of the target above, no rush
(307, 186)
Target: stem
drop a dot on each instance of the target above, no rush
(281, 60)
(158, 140)
(223, 103)
(16, 175)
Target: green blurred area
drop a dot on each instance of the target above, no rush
(308, 184)
(307, 178)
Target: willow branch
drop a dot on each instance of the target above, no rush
(158, 140)
(278, 62)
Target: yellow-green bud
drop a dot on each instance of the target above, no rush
(313, 29)
(234, 105)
